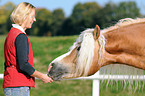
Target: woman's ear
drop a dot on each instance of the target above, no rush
(96, 32)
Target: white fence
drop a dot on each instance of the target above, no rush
(96, 77)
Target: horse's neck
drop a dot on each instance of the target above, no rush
(122, 37)
(122, 43)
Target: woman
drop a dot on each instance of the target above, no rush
(19, 69)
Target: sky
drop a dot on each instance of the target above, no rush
(67, 5)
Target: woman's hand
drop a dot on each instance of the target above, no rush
(41, 76)
(46, 79)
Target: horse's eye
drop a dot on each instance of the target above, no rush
(79, 48)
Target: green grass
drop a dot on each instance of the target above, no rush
(63, 88)
(48, 48)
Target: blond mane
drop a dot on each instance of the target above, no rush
(124, 22)
(86, 53)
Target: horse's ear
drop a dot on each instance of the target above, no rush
(96, 32)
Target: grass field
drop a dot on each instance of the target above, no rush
(45, 50)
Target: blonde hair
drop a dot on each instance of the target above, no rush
(21, 12)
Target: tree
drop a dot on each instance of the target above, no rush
(5, 12)
(106, 15)
(128, 9)
(111, 13)
(81, 18)
(67, 28)
(58, 19)
(83, 13)
(43, 23)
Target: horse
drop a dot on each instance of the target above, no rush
(123, 43)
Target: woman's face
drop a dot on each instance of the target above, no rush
(30, 19)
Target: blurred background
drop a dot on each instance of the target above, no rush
(65, 18)
(59, 22)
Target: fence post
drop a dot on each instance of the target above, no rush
(96, 86)
(1, 76)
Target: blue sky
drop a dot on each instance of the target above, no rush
(67, 5)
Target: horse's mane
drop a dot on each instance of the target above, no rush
(124, 22)
(86, 53)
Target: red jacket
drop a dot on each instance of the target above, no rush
(13, 77)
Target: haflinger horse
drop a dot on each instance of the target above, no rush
(123, 43)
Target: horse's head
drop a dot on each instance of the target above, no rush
(81, 60)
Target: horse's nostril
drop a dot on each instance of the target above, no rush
(52, 64)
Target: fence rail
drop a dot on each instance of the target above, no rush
(97, 77)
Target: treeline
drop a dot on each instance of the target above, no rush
(83, 16)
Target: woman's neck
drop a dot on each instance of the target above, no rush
(23, 26)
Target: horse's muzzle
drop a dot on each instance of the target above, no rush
(57, 71)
